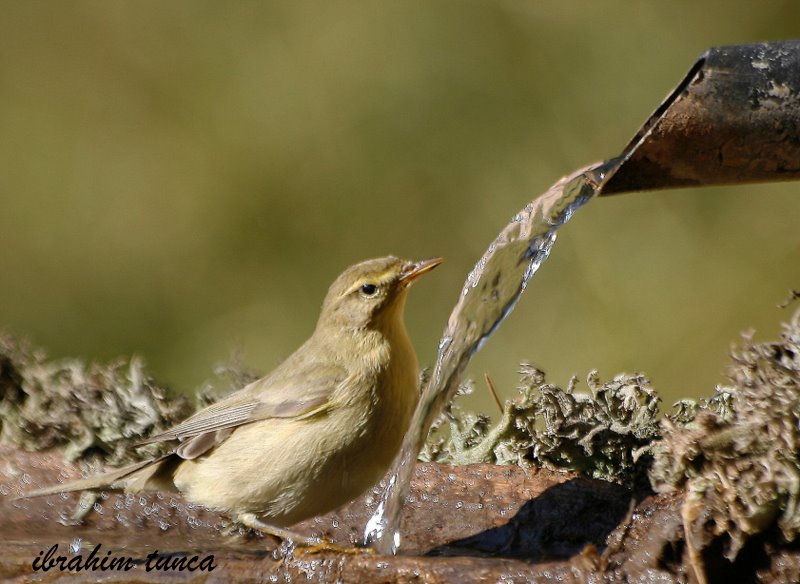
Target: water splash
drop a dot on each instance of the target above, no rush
(490, 293)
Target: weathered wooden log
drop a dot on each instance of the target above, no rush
(461, 524)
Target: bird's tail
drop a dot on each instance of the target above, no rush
(121, 478)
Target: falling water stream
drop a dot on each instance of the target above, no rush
(489, 295)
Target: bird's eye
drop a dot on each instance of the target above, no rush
(369, 289)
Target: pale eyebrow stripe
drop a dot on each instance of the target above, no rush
(381, 278)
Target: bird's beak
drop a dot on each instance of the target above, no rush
(413, 271)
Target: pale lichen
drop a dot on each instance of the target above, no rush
(739, 458)
(94, 411)
(600, 434)
(736, 454)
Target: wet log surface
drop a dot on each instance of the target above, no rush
(461, 524)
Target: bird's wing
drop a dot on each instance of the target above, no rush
(298, 395)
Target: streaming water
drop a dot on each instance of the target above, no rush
(489, 295)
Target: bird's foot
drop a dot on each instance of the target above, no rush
(303, 544)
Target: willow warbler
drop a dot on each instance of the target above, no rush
(315, 433)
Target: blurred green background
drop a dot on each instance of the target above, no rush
(185, 179)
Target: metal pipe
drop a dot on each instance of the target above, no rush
(735, 118)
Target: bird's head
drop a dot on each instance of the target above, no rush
(372, 294)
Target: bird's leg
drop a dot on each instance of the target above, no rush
(250, 520)
(328, 546)
(306, 545)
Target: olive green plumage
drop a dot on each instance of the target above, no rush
(318, 431)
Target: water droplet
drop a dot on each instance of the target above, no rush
(396, 541)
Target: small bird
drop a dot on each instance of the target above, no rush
(312, 435)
